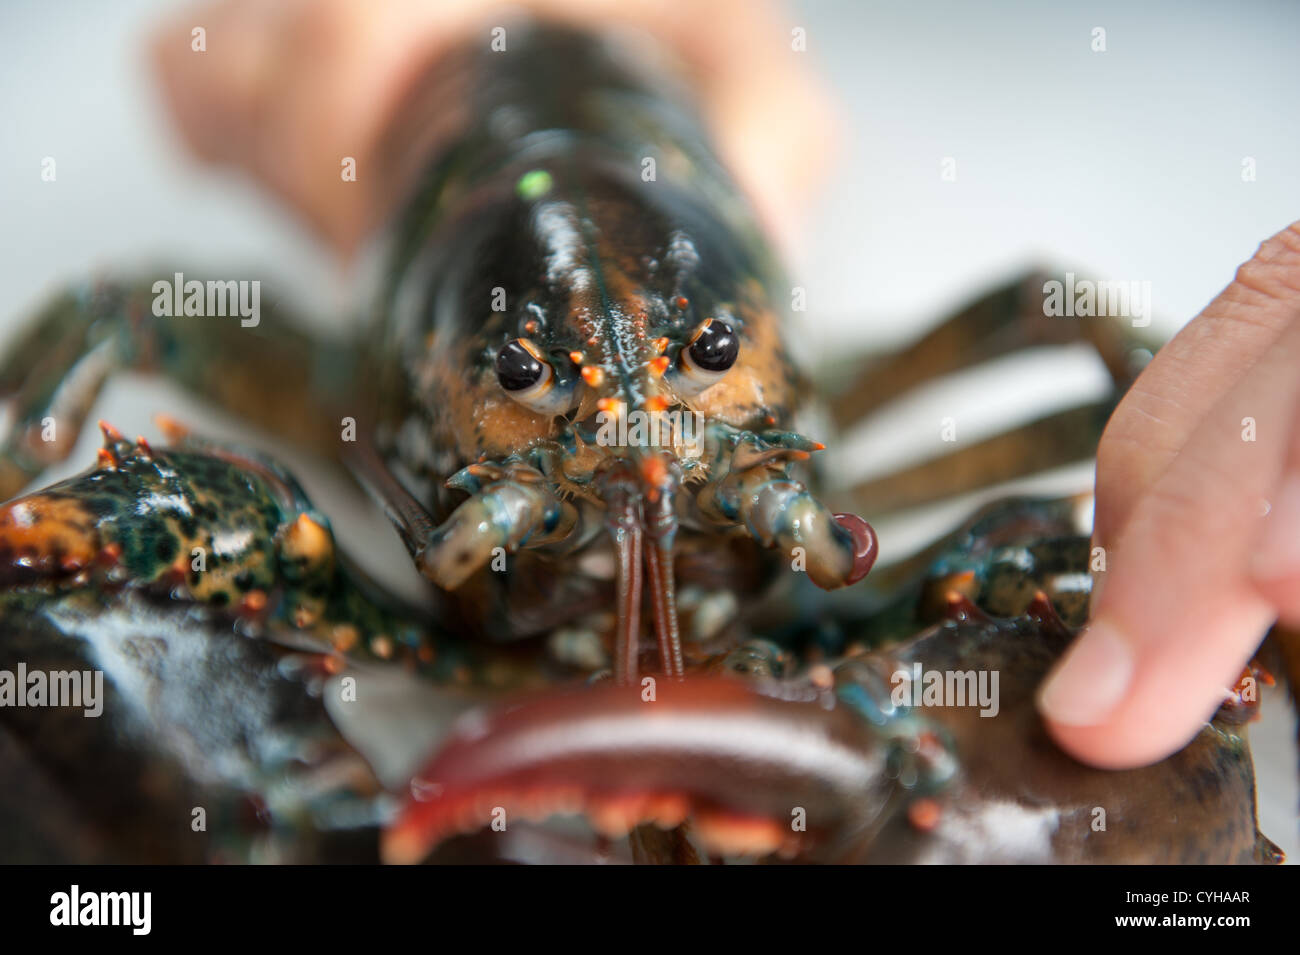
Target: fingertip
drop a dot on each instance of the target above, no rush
(1082, 697)
(1104, 705)
(1091, 680)
(1117, 745)
(1172, 692)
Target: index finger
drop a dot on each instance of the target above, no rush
(1181, 611)
(1189, 376)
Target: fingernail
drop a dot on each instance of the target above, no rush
(1092, 679)
(1278, 551)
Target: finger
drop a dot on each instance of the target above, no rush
(1181, 613)
(1189, 376)
(290, 89)
(287, 88)
(777, 128)
(211, 93)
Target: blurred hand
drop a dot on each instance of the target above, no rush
(1198, 509)
(287, 88)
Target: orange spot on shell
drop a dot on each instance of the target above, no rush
(659, 365)
(254, 601)
(49, 535)
(661, 344)
(307, 540)
(924, 814)
(654, 471)
(962, 581)
(683, 301)
(592, 375)
(110, 433)
(577, 357)
(656, 403)
(929, 746)
(172, 429)
(344, 637)
(726, 834)
(821, 676)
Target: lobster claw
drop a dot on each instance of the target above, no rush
(779, 768)
(758, 493)
(510, 506)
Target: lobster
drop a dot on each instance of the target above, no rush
(577, 406)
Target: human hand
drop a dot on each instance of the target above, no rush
(1198, 509)
(286, 88)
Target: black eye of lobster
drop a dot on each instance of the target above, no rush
(535, 381)
(519, 366)
(714, 348)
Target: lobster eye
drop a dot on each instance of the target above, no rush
(714, 347)
(707, 356)
(534, 381)
(520, 367)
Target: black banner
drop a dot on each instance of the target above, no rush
(330, 905)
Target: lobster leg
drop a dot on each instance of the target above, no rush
(1007, 320)
(1053, 441)
(273, 374)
